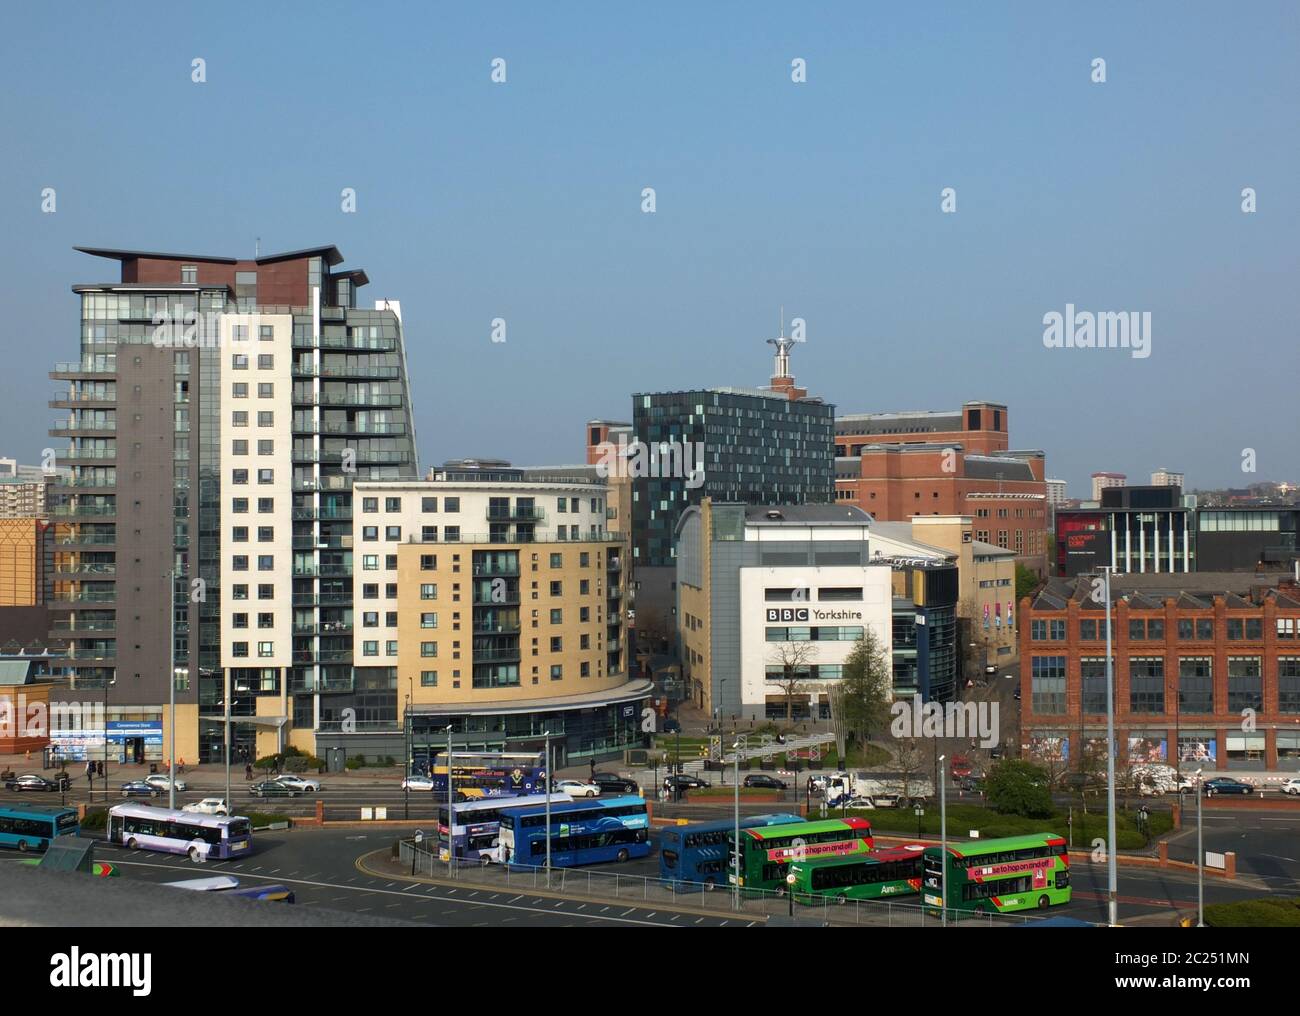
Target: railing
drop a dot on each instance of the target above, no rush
(63, 510)
(378, 400)
(488, 571)
(602, 884)
(601, 537)
(336, 370)
(86, 569)
(84, 597)
(83, 625)
(521, 514)
(91, 539)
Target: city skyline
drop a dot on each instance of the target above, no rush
(521, 201)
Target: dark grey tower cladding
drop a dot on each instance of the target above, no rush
(754, 446)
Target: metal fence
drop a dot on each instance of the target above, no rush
(587, 883)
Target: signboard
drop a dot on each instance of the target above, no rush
(785, 614)
(1213, 860)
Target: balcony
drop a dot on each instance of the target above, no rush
(327, 512)
(500, 571)
(64, 511)
(364, 429)
(71, 400)
(519, 513)
(376, 344)
(343, 370)
(360, 399)
(497, 656)
(84, 597)
(613, 646)
(511, 600)
(86, 540)
(89, 568)
(614, 565)
(74, 370)
(482, 628)
(304, 571)
(614, 592)
(78, 625)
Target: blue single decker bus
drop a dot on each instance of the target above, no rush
(31, 827)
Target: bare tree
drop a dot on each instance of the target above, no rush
(838, 695)
(910, 758)
(794, 659)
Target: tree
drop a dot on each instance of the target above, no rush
(795, 660)
(867, 678)
(1016, 787)
(1027, 581)
(909, 758)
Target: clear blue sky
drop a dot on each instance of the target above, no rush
(523, 201)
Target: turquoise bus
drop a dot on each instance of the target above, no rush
(30, 827)
(582, 832)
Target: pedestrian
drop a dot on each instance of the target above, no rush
(180, 766)
(248, 771)
(505, 852)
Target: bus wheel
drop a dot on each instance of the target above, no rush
(22, 846)
(194, 856)
(130, 844)
(1044, 902)
(623, 855)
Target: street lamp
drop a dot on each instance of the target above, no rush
(406, 781)
(107, 684)
(550, 781)
(741, 742)
(1200, 856)
(943, 844)
(451, 806)
(1112, 892)
(171, 667)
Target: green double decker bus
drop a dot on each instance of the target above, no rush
(999, 876)
(894, 871)
(766, 853)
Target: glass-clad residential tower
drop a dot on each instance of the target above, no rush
(218, 415)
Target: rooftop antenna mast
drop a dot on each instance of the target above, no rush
(782, 365)
(257, 247)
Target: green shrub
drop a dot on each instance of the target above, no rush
(95, 819)
(1282, 912)
(389, 760)
(355, 762)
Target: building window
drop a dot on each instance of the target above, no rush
(239, 534)
(557, 589)
(370, 504)
(451, 534)
(238, 361)
(370, 648)
(265, 418)
(370, 591)
(369, 532)
(428, 679)
(1092, 671)
(265, 390)
(265, 534)
(266, 562)
(240, 592)
(393, 534)
(1245, 685)
(265, 649)
(266, 476)
(557, 672)
(1048, 684)
(557, 644)
(239, 562)
(428, 649)
(390, 647)
(241, 621)
(557, 616)
(392, 504)
(266, 504)
(239, 476)
(429, 591)
(189, 275)
(1195, 684)
(1288, 684)
(557, 560)
(265, 591)
(428, 562)
(239, 649)
(451, 504)
(428, 504)
(370, 619)
(428, 620)
(1146, 680)
(265, 333)
(1286, 627)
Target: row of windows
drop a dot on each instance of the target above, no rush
(240, 476)
(571, 505)
(834, 594)
(265, 650)
(239, 333)
(239, 361)
(265, 505)
(240, 447)
(825, 633)
(1152, 629)
(265, 390)
(265, 562)
(239, 418)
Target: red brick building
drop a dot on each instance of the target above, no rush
(900, 465)
(1192, 652)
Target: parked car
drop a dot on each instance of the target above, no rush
(763, 780)
(272, 788)
(612, 783)
(959, 766)
(30, 781)
(208, 806)
(859, 802)
(672, 727)
(299, 783)
(162, 782)
(576, 788)
(1016, 696)
(139, 788)
(682, 781)
(1226, 785)
(1291, 786)
(970, 784)
(417, 783)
